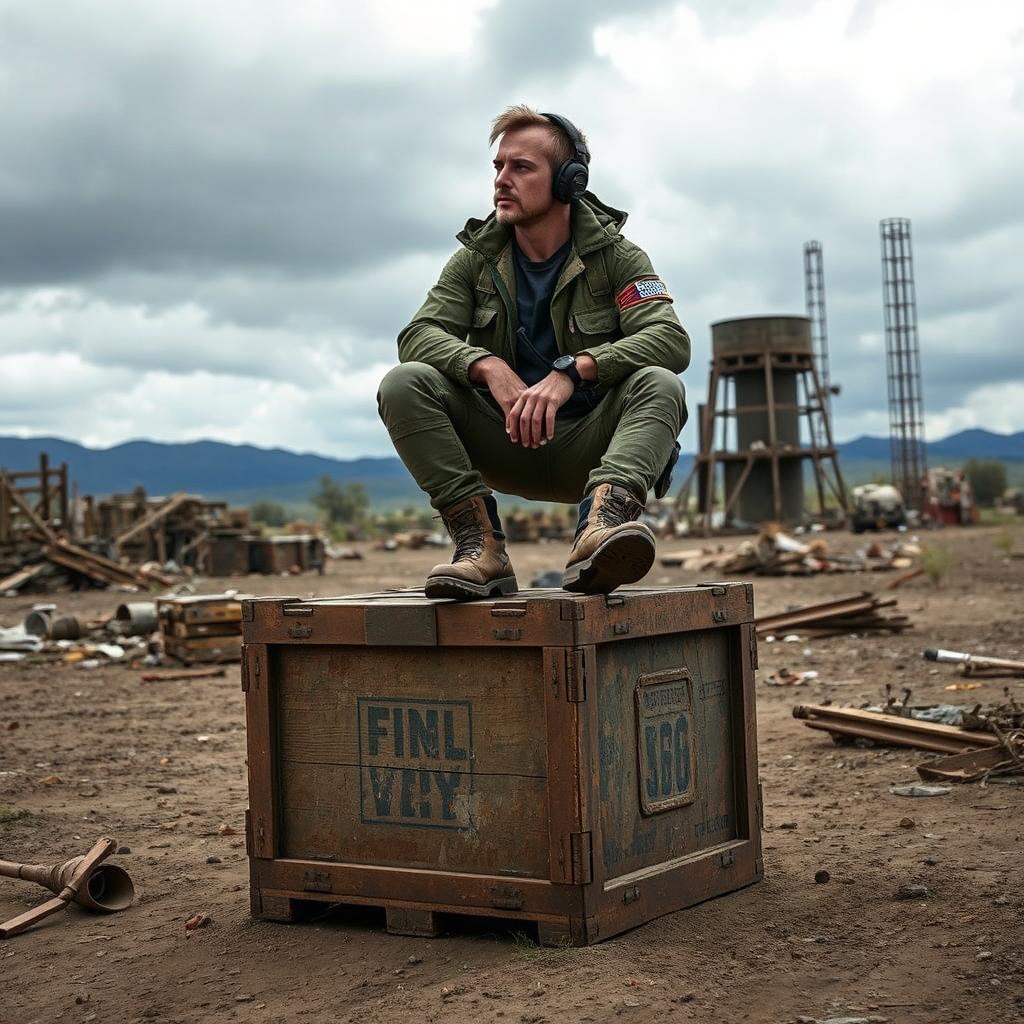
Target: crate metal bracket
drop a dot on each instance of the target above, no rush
(575, 675)
(580, 857)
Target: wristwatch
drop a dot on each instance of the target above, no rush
(567, 365)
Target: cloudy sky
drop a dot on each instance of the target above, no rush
(215, 218)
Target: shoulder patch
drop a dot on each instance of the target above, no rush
(647, 289)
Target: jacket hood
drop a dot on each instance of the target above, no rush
(594, 224)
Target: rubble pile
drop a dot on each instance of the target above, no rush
(777, 553)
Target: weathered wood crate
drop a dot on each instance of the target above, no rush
(202, 628)
(584, 763)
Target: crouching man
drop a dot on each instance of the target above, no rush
(543, 364)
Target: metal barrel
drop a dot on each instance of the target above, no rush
(37, 623)
(137, 618)
(66, 627)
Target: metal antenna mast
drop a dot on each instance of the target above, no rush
(906, 416)
(814, 292)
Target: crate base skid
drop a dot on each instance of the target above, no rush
(582, 764)
(554, 909)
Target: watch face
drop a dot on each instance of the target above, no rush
(564, 362)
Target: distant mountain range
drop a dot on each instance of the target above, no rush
(243, 473)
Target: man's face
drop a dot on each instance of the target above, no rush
(522, 176)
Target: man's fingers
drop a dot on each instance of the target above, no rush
(527, 421)
(537, 423)
(523, 423)
(512, 418)
(549, 424)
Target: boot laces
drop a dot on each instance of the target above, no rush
(468, 534)
(618, 508)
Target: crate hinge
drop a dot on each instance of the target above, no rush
(250, 664)
(575, 675)
(580, 857)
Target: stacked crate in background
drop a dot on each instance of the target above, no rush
(202, 628)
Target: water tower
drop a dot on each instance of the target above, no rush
(764, 421)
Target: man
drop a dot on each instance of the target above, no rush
(543, 363)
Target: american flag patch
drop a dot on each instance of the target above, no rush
(644, 290)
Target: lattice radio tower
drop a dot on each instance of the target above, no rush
(906, 416)
(814, 293)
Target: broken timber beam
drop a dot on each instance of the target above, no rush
(26, 509)
(161, 512)
(894, 730)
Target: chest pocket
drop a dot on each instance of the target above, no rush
(590, 327)
(482, 331)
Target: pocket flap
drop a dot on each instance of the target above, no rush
(483, 315)
(597, 321)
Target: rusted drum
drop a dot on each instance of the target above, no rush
(37, 623)
(67, 627)
(137, 618)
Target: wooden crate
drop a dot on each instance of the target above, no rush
(583, 763)
(202, 628)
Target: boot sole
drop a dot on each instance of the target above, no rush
(462, 590)
(624, 558)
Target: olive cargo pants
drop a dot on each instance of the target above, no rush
(453, 441)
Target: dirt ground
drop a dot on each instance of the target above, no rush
(162, 767)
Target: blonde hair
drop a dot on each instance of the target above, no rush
(522, 116)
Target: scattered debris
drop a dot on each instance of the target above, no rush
(777, 553)
(173, 677)
(551, 578)
(202, 628)
(912, 892)
(892, 729)
(975, 664)
(918, 791)
(976, 765)
(858, 614)
(85, 880)
(199, 920)
(785, 677)
(822, 877)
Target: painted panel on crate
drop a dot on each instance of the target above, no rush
(631, 838)
(416, 762)
(667, 769)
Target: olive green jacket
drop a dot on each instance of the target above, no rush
(466, 316)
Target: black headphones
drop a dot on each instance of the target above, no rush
(570, 178)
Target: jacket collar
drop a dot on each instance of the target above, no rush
(594, 225)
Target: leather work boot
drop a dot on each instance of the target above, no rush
(611, 547)
(480, 566)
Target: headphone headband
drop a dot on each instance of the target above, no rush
(569, 181)
(581, 152)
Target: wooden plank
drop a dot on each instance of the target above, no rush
(563, 756)
(215, 649)
(401, 817)
(893, 729)
(21, 577)
(20, 503)
(411, 708)
(151, 519)
(260, 749)
(173, 677)
(187, 630)
(436, 888)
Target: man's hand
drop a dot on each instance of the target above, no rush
(531, 419)
(502, 381)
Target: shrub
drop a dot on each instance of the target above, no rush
(936, 560)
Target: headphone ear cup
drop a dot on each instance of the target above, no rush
(570, 181)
